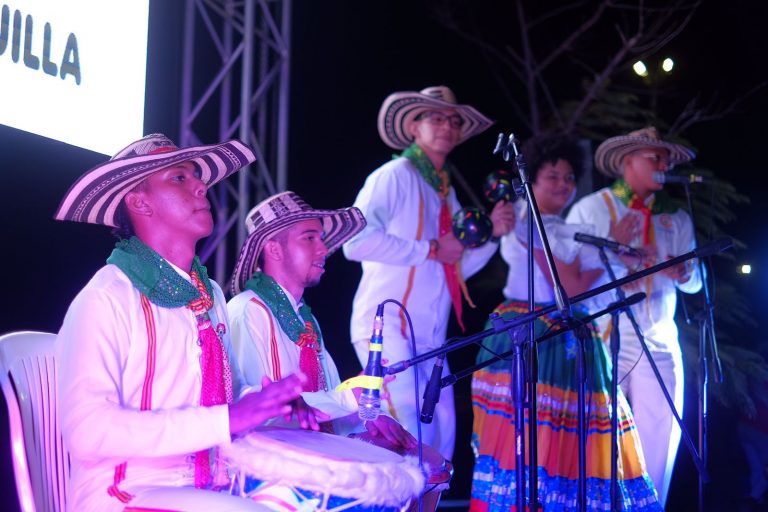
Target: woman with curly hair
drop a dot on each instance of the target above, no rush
(554, 163)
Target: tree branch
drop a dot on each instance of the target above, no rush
(571, 39)
(530, 65)
(599, 81)
(693, 114)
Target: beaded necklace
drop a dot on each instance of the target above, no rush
(303, 331)
(274, 297)
(154, 277)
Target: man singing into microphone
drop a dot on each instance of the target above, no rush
(274, 332)
(635, 211)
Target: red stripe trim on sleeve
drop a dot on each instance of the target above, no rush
(146, 396)
(273, 352)
(149, 319)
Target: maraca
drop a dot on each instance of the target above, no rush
(472, 227)
(499, 186)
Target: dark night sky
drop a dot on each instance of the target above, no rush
(347, 56)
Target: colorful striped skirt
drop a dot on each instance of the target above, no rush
(493, 483)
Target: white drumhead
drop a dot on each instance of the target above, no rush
(327, 446)
(326, 463)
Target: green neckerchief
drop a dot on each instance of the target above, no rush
(439, 180)
(662, 203)
(154, 277)
(272, 293)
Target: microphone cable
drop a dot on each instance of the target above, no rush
(416, 394)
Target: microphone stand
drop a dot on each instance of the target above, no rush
(507, 150)
(529, 381)
(533, 379)
(500, 325)
(719, 245)
(699, 456)
(706, 321)
(517, 379)
(615, 346)
(614, 307)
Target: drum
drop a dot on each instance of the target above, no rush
(300, 470)
(438, 470)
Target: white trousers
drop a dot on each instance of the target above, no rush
(656, 425)
(441, 433)
(190, 499)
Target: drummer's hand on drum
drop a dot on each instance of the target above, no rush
(308, 417)
(274, 399)
(392, 431)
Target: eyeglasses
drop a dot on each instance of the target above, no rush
(438, 118)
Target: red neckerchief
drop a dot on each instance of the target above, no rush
(637, 204)
(439, 180)
(309, 359)
(216, 380)
(456, 286)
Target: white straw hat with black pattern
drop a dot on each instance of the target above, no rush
(281, 211)
(400, 108)
(95, 196)
(609, 154)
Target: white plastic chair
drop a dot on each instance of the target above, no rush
(40, 460)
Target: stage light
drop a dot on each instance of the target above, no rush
(640, 69)
(667, 65)
(745, 269)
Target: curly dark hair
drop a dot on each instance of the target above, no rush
(549, 148)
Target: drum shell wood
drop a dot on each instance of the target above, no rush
(326, 465)
(438, 471)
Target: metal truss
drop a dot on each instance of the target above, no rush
(235, 84)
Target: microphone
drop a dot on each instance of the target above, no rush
(608, 244)
(663, 177)
(432, 391)
(369, 404)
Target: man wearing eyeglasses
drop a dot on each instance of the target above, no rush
(408, 251)
(635, 211)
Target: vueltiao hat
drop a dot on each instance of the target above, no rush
(611, 152)
(281, 211)
(400, 108)
(95, 196)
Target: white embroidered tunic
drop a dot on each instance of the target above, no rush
(673, 234)
(389, 246)
(262, 348)
(117, 353)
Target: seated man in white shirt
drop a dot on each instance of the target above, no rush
(274, 331)
(147, 382)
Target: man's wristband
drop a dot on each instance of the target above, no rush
(434, 246)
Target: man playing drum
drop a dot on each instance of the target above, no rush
(274, 332)
(146, 380)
